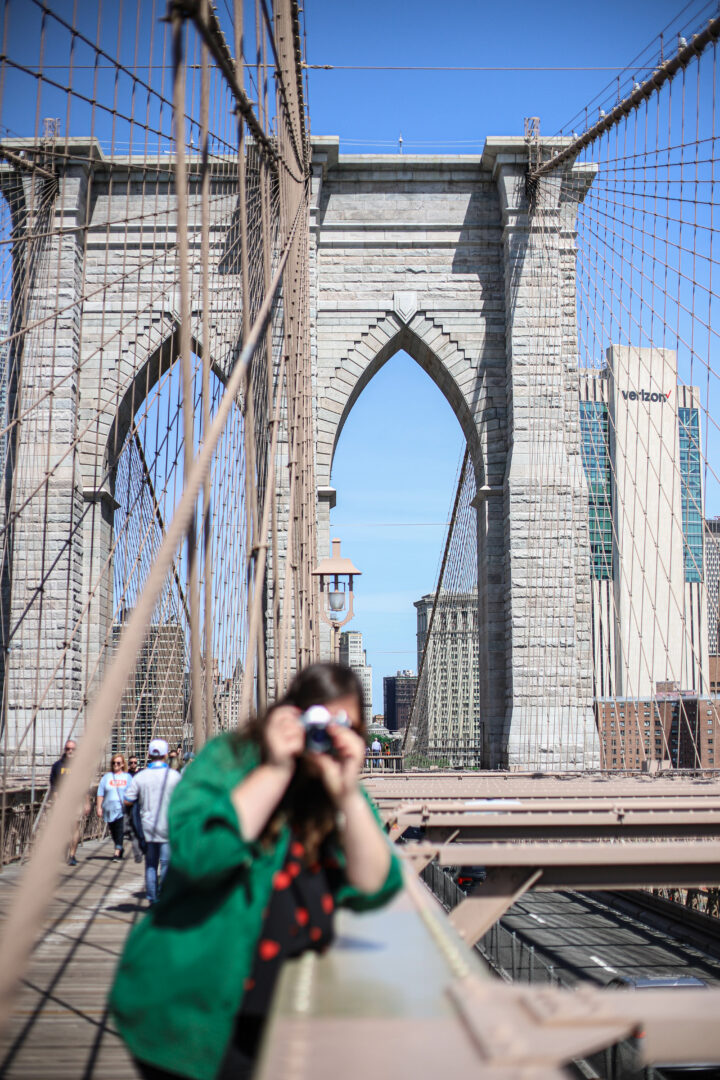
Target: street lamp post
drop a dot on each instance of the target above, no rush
(336, 593)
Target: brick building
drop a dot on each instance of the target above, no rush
(679, 729)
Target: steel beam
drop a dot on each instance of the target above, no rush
(596, 865)
(609, 819)
(518, 1026)
(489, 901)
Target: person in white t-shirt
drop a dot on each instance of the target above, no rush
(110, 800)
(376, 748)
(151, 788)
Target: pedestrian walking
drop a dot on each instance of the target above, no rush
(151, 789)
(110, 800)
(376, 748)
(57, 771)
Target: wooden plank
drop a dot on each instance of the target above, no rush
(59, 1027)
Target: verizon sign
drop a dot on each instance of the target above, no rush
(645, 395)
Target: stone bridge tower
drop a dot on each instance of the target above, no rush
(95, 283)
(438, 256)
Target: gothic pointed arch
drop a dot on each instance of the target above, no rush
(430, 346)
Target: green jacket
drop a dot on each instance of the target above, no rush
(180, 980)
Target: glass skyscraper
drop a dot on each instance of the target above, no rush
(641, 435)
(691, 493)
(596, 461)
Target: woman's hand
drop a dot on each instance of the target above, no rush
(284, 737)
(367, 852)
(340, 771)
(256, 797)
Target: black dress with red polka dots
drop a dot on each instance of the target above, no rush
(298, 917)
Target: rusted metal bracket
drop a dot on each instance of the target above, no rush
(521, 1027)
(489, 901)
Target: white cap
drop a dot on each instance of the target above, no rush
(157, 748)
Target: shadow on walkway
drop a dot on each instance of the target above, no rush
(60, 1027)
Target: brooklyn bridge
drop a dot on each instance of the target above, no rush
(194, 293)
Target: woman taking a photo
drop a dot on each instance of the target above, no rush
(269, 833)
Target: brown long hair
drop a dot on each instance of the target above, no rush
(306, 805)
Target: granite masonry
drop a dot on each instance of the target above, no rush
(437, 256)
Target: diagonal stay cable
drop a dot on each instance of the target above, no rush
(35, 892)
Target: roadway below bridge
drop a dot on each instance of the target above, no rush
(585, 937)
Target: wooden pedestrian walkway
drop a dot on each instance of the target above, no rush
(60, 1026)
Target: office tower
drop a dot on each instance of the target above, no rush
(448, 693)
(712, 588)
(398, 696)
(154, 703)
(353, 654)
(641, 452)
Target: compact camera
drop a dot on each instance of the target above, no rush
(315, 720)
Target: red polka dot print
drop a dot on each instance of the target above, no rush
(281, 879)
(249, 984)
(303, 916)
(293, 869)
(268, 949)
(315, 933)
(296, 849)
(328, 904)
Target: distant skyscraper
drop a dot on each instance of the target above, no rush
(227, 694)
(449, 691)
(154, 703)
(641, 450)
(712, 584)
(353, 654)
(398, 696)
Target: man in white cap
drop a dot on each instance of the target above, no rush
(151, 788)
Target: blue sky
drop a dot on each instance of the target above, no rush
(398, 455)
(455, 111)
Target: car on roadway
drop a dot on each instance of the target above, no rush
(467, 877)
(627, 1063)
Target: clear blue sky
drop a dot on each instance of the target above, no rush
(391, 466)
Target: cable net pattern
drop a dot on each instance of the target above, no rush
(444, 729)
(156, 431)
(611, 496)
(647, 307)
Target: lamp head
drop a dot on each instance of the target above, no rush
(336, 600)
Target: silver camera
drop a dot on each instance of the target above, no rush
(315, 720)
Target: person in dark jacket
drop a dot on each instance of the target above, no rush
(267, 839)
(58, 769)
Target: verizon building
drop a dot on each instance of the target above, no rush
(641, 451)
